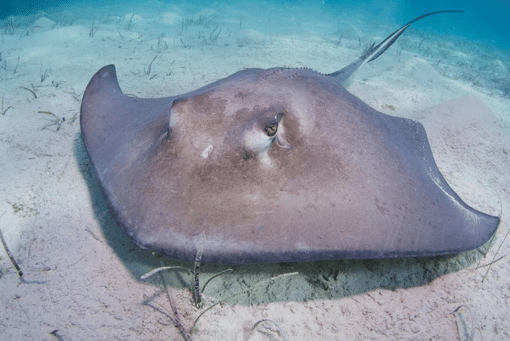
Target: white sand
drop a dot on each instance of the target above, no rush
(82, 273)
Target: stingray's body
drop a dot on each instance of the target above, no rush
(272, 165)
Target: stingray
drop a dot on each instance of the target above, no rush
(273, 165)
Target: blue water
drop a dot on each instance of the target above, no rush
(481, 20)
(485, 21)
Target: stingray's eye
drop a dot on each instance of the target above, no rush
(272, 127)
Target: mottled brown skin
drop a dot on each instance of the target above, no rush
(337, 179)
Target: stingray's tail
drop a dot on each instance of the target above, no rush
(375, 51)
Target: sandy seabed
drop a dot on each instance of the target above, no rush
(82, 274)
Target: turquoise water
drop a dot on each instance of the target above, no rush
(471, 46)
(485, 21)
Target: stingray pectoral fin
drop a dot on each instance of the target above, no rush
(119, 132)
(109, 118)
(449, 225)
